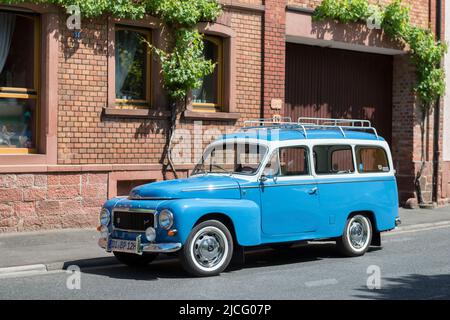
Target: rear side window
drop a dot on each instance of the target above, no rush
(333, 159)
(372, 159)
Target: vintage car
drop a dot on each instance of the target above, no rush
(270, 183)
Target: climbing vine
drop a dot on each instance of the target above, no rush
(426, 52)
(183, 62)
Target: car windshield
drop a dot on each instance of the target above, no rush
(232, 158)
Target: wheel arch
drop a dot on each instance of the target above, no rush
(221, 217)
(369, 214)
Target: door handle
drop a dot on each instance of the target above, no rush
(313, 191)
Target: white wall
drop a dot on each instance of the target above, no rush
(446, 149)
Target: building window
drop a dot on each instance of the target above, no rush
(19, 56)
(132, 57)
(209, 96)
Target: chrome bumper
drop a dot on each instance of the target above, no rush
(148, 247)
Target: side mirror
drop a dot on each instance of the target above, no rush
(263, 178)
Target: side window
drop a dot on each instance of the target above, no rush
(294, 161)
(372, 159)
(333, 159)
(272, 168)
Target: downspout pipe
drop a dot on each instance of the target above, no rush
(437, 116)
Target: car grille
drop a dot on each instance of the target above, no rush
(135, 221)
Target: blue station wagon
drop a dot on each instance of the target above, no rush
(271, 183)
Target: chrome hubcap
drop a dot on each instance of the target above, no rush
(209, 248)
(358, 233)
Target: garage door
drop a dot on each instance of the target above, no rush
(325, 82)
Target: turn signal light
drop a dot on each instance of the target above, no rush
(171, 233)
(99, 228)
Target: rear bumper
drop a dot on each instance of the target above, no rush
(148, 247)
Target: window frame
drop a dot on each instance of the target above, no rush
(329, 159)
(218, 106)
(358, 147)
(28, 93)
(136, 104)
(279, 175)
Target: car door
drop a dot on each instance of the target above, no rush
(289, 193)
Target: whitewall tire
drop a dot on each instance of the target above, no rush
(208, 249)
(357, 236)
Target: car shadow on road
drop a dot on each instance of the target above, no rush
(169, 267)
(411, 287)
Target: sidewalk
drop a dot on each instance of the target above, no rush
(53, 250)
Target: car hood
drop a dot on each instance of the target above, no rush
(199, 186)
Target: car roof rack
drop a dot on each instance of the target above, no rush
(309, 123)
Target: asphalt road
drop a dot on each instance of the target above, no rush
(412, 265)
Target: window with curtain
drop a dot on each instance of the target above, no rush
(18, 82)
(132, 58)
(209, 96)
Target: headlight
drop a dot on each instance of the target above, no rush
(150, 234)
(105, 217)
(166, 219)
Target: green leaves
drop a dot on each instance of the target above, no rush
(396, 20)
(185, 66)
(426, 53)
(342, 10)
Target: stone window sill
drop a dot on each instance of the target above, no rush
(136, 113)
(220, 116)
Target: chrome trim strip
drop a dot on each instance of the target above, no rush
(139, 210)
(209, 189)
(150, 247)
(161, 247)
(149, 198)
(310, 182)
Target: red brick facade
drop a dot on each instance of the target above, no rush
(95, 149)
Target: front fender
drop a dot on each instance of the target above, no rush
(244, 214)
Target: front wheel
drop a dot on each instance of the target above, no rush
(208, 249)
(357, 236)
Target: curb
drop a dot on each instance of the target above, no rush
(23, 269)
(422, 226)
(56, 266)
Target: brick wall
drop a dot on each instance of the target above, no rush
(274, 53)
(87, 137)
(84, 136)
(50, 201)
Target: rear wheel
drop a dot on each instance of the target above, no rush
(135, 260)
(208, 249)
(357, 236)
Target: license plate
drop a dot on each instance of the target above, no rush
(122, 246)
